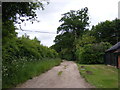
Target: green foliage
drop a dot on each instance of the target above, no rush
(63, 45)
(25, 47)
(67, 54)
(86, 46)
(8, 31)
(22, 58)
(108, 31)
(92, 53)
(73, 26)
(15, 10)
(22, 70)
(74, 22)
(18, 53)
(85, 39)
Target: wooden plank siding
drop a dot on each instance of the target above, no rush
(119, 61)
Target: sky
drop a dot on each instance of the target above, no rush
(99, 11)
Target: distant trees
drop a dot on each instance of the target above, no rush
(92, 53)
(76, 42)
(108, 31)
(74, 22)
(73, 25)
(86, 38)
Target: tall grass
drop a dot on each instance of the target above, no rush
(20, 72)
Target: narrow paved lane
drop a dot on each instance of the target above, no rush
(64, 76)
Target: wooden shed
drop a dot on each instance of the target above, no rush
(112, 56)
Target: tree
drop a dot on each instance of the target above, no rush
(86, 38)
(92, 53)
(74, 22)
(74, 25)
(108, 31)
(64, 45)
(17, 12)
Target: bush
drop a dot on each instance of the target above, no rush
(66, 54)
(92, 53)
(22, 70)
(18, 53)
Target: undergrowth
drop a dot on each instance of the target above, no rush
(21, 71)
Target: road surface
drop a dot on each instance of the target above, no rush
(66, 75)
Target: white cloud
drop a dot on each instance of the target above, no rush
(99, 10)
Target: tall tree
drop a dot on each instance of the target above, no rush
(17, 12)
(74, 24)
(108, 31)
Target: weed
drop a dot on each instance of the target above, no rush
(65, 66)
(20, 72)
(60, 73)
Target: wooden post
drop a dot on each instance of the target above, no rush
(119, 61)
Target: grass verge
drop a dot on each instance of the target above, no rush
(100, 76)
(30, 70)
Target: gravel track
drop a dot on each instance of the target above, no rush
(66, 75)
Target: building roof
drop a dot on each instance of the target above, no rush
(114, 48)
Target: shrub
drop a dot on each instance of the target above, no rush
(18, 53)
(92, 53)
(22, 70)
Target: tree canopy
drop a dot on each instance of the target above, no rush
(76, 42)
(74, 24)
(17, 12)
(108, 31)
(20, 51)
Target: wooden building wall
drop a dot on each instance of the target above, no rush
(119, 61)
